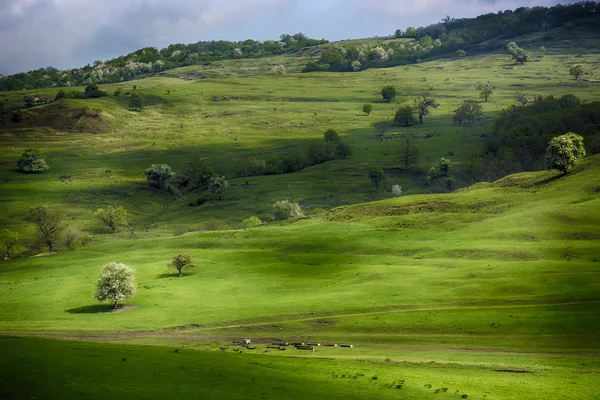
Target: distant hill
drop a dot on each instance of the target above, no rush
(485, 33)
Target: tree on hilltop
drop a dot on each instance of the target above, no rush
(565, 151)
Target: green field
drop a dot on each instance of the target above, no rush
(490, 291)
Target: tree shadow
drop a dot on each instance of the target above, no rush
(549, 179)
(91, 309)
(175, 274)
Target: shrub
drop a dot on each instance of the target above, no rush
(252, 221)
(331, 136)
(116, 283)
(285, 209)
(367, 108)
(31, 163)
(396, 191)
(92, 91)
(217, 186)
(376, 175)
(112, 216)
(159, 175)
(136, 101)
(117, 92)
(9, 245)
(60, 95)
(405, 116)
(17, 116)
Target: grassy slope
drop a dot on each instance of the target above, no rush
(265, 116)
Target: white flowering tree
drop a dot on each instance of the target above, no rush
(116, 283)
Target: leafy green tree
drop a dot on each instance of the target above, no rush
(450, 183)
(473, 161)
(112, 216)
(469, 111)
(367, 108)
(285, 209)
(423, 106)
(388, 93)
(92, 91)
(518, 54)
(486, 91)
(116, 283)
(543, 50)
(9, 244)
(196, 174)
(60, 95)
(411, 32)
(159, 175)
(409, 154)
(576, 71)
(320, 151)
(31, 163)
(565, 151)
(331, 136)
(376, 175)
(180, 262)
(252, 221)
(136, 101)
(398, 33)
(461, 53)
(217, 186)
(405, 116)
(50, 224)
(344, 150)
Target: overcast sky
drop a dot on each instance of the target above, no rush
(72, 33)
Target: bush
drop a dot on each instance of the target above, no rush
(331, 136)
(117, 92)
(285, 209)
(367, 108)
(565, 151)
(388, 93)
(60, 95)
(252, 221)
(159, 175)
(116, 283)
(17, 116)
(92, 91)
(9, 245)
(31, 163)
(180, 262)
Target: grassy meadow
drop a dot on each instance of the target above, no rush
(488, 292)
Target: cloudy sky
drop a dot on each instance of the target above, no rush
(72, 33)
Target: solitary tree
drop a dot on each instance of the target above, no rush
(441, 170)
(376, 175)
(461, 53)
(367, 108)
(396, 191)
(405, 116)
(217, 186)
(285, 209)
(180, 262)
(423, 106)
(518, 54)
(388, 93)
(159, 175)
(112, 216)
(31, 163)
(9, 244)
(486, 91)
(50, 224)
(116, 283)
(565, 151)
(409, 154)
(331, 135)
(469, 111)
(136, 101)
(398, 33)
(576, 71)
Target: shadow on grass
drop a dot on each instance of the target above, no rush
(174, 275)
(92, 309)
(549, 179)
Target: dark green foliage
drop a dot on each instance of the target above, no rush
(461, 53)
(398, 34)
(92, 91)
(468, 111)
(181, 261)
(117, 92)
(312, 66)
(565, 151)
(521, 134)
(17, 116)
(217, 186)
(159, 175)
(423, 106)
(31, 163)
(9, 245)
(321, 151)
(376, 176)
(440, 170)
(286, 209)
(405, 116)
(136, 101)
(196, 174)
(409, 154)
(344, 150)
(60, 95)
(388, 93)
(367, 108)
(331, 136)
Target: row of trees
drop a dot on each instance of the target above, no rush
(151, 60)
